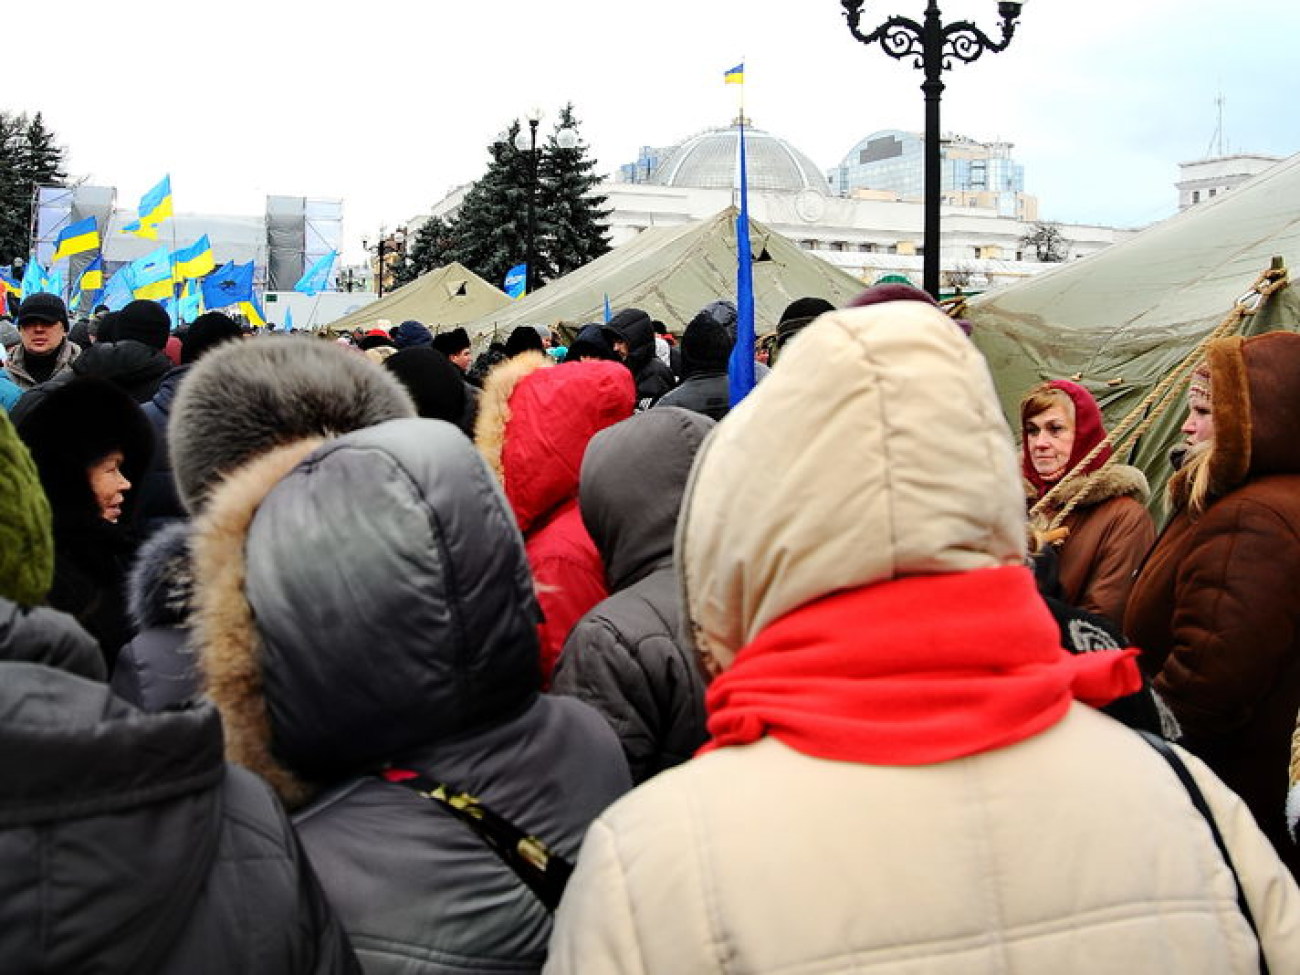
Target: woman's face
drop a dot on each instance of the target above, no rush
(1199, 426)
(109, 485)
(1049, 437)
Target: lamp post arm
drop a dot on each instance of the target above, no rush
(899, 37)
(966, 42)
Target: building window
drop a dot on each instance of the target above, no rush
(1212, 193)
(1196, 196)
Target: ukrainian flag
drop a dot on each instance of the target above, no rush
(253, 313)
(76, 238)
(735, 76)
(151, 275)
(92, 278)
(193, 261)
(155, 207)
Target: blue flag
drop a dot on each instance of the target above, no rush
(33, 278)
(316, 278)
(230, 284)
(187, 308)
(117, 292)
(608, 312)
(516, 280)
(740, 368)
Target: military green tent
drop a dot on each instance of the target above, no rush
(442, 298)
(1122, 318)
(673, 272)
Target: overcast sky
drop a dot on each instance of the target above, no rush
(389, 105)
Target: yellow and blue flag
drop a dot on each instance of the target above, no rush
(11, 287)
(253, 312)
(76, 238)
(193, 261)
(151, 276)
(92, 278)
(735, 76)
(155, 207)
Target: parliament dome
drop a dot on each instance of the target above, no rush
(709, 160)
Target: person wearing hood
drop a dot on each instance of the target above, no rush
(126, 844)
(134, 359)
(301, 389)
(342, 641)
(590, 343)
(706, 351)
(535, 421)
(1216, 606)
(631, 334)
(1096, 513)
(625, 656)
(91, 445)
(436, 386)
(904, 771)
(44, 350)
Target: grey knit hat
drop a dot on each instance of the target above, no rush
(244, 398)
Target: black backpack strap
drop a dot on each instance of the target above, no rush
(1198, 800)
(545, 873)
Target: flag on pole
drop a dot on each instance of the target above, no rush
(190, 305)
(516, 282)
(117, 291)
(735, 76)
(92, 278)
(151, 276)
(229, 285)
(740, 368)
(76, 238)
(316, 278)
(193, 261)
(252, 311)
(33, 278)
(155, 207)
(288, 319)
(608, 311)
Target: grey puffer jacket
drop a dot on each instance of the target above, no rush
(126, 844)
(626, 657)
(367, 602)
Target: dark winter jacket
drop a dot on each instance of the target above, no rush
(653, 378)
(127, 845)
(339, 636)
(708, 393)
(626, 657)
(158, 668)
(157, 501)
(131, 365)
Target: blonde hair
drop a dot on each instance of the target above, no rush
(1191, 485)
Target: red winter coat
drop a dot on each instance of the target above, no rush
(534, 423)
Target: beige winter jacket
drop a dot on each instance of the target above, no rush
(875, 450)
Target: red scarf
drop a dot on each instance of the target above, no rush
(917, 670)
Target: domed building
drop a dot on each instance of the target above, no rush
(709, 160)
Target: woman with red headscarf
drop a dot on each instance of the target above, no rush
(1096, 523)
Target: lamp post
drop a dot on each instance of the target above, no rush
(385, 246)
(526, 141)
(933, 45)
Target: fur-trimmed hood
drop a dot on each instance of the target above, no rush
(1112, 481)
(160, 588)
(1256, 406)
(534, 423)
(361, 597)
(243, 398)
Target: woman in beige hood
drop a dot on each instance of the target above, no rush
(902, 776)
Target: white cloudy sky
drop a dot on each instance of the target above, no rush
(387, 105)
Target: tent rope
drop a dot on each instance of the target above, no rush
(1155, 403)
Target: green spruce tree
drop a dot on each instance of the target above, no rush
(430, 249)
(490, 232)
(572, 220)
(29, 157)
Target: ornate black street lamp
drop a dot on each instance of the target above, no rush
(933, 45)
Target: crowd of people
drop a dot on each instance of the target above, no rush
(376, 654)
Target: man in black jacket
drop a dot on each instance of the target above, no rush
(631, 334)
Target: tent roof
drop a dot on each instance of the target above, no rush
(1125, 316)
(444, 297)
(673, 272)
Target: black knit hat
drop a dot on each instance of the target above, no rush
(451, 342)
(437, 386)
(410, 335)
(207, 332)
(144, 321)
(706, 345)
(42, 307)
(798, 314)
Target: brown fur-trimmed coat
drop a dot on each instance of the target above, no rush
(1216, 608)
(1110, 532)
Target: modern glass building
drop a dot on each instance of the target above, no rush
(973, 173)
